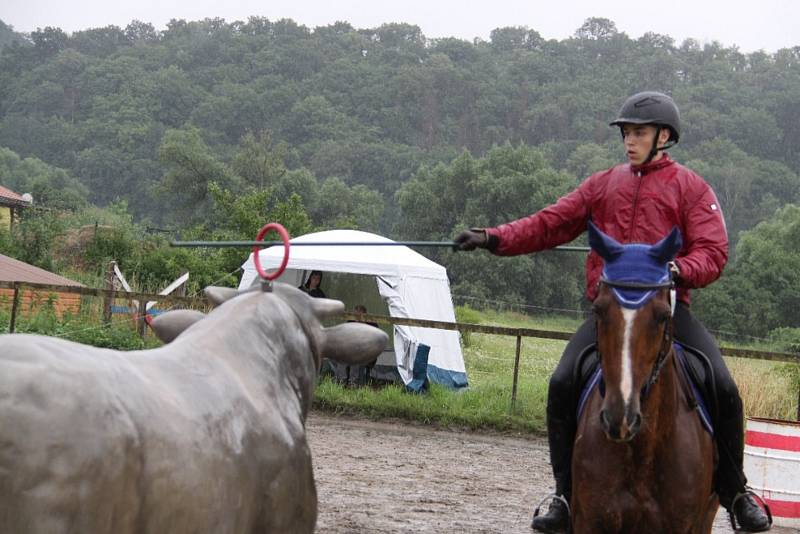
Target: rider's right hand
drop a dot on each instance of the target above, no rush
(471, 239)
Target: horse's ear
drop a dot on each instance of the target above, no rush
(665, 250)
(607, 247)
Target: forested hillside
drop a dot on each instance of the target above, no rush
(207, 127)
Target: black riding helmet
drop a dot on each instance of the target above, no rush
(652, 107)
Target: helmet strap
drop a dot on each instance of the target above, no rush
(654, 149)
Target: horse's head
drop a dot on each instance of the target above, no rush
(633, 310)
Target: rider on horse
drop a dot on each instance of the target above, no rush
(637, 202)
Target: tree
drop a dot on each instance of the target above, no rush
(8, 36)
(515, 38)
(48, 41)
(508, 183)
(52, 188)
(140, 33)
(99, 42)
(339, 206)
(762, 291)
(596, 29)
(191, 169)
(260, 162)
(748, 188)
(589, 158)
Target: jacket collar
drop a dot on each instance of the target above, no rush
(652, 166)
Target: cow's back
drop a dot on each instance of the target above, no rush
(94, 440)
(67, 444)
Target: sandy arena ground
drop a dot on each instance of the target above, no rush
(376, 477)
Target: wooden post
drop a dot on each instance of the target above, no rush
(14, 306)
(141, 325)
(109, 298)
(516, 375)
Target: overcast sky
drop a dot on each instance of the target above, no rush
(766, 24)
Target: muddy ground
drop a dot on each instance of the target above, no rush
(379, 477)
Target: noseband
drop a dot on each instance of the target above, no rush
(666, 342)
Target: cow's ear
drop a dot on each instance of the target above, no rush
(169, 325)
(353, 343)
(218, 295)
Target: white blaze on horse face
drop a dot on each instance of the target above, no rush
(626, 383)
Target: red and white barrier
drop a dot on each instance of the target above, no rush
(772, 466)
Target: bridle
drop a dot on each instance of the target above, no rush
(666, 341)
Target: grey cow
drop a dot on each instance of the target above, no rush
(204, 434)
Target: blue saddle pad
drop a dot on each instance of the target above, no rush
(702, 406)
(596, 380)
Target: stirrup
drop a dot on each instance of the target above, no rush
(558, 497)
(758, 499)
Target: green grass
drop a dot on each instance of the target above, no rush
(768, 389)
(486, 404)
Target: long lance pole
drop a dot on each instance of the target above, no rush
(267, 244)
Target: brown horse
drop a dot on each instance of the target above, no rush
(642, 460)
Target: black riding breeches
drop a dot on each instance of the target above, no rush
(562, 400)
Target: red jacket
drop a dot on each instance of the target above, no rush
(632, 204)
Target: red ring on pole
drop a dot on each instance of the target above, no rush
(257, 261)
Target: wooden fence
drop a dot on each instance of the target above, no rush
(519, 333)
(108, 296)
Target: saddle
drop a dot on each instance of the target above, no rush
(693, 366)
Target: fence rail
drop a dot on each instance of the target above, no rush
(96, 292)
(518, 333)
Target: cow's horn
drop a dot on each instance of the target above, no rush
(169, 325)
(326, 307)
(218, 295)
(353, 343)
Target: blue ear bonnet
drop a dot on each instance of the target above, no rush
(636, 262)
(635, 265)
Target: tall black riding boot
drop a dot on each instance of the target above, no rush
(731, 481)
(561, 436)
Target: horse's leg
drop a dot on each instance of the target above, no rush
(591, 479)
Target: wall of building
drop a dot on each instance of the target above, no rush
(32, 300)
(5, 217)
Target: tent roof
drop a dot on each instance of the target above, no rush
(376, 260)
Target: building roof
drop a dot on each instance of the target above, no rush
(12, 270)
(10, 198)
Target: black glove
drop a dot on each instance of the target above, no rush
(471, 239)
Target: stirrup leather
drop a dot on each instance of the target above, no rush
(758, 499)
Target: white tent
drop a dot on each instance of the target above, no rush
(409, 284)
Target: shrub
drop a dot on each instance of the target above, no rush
(786, 339)
(465, 314)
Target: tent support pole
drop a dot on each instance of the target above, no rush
(516, 376)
